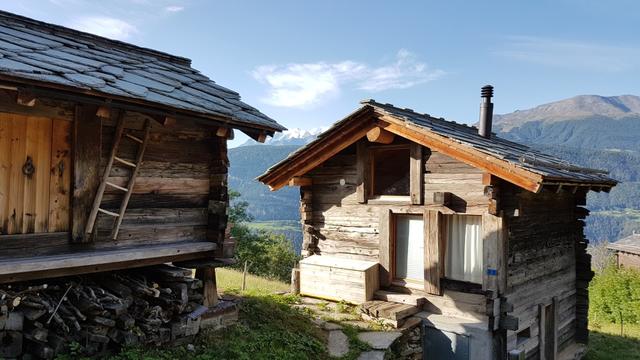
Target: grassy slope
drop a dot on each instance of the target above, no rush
(231, 280)
(605, 342)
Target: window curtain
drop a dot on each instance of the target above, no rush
(409, 247)
(463, 260)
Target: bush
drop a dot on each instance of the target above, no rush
(615, 296)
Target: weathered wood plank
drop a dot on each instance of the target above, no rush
(432, 264)
(416, 174)
(5, 170)
(363, 171)
(60, 183)
(15, 205)
(87, 141)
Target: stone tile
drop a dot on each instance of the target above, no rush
(379, 340)
(372, 355)
(338, 344)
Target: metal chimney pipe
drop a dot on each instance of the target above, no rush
(486, 112)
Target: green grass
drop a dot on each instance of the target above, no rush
(605, 342)
(275, 225)
(231, 280)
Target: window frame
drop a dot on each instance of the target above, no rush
(393, 241)
(373, 152)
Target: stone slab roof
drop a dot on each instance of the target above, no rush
(49, 54)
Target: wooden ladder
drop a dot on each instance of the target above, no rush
(134, 165)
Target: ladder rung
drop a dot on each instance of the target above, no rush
(108, 212)
(136, 139)
(128, 163)
(116, 186)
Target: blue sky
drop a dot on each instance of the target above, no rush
(308, 63)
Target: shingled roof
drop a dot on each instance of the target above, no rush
(630, 244)
(48, 55)
(498, 156)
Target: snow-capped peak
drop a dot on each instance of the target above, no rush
(294, 136)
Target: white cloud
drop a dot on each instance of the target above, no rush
(302, 85)
(104, 26)
(174, 8)
(570, 54)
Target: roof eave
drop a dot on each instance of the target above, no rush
(91, 96)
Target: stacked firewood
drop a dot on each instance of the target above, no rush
(94, 314)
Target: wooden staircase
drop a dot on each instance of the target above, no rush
(392, 308)
(134, 165)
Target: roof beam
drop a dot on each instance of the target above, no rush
(319, 152)
(379, 135)
(500, 168)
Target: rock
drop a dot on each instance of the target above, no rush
(338, 344)
(372, 355)
(331, 326)
(191, 348)
(379, 340)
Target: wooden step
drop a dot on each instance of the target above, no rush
(116, 186)
(123, 161)
(107, 212)
(415, 300)
(393, 311)
(136, 139)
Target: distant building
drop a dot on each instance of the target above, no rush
(627, 251)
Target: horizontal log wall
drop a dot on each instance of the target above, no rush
(171, 196)
(345, 227)
(541, 263)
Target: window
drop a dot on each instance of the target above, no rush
(409, 247)
(463, 253)
(390, 170)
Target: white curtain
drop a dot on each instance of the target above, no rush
(463, 260)
(409, 247)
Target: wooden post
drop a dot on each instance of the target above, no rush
(210, 288)
(295, 280)
(432, 262)
(244, 276)
(416, 172)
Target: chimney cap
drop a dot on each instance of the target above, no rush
(486, 91)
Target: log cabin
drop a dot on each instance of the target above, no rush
(482, 238)
(627, 251)
(112, 156)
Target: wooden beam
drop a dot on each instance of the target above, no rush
(300, 181)
(26, 98)
(416, 174)
(319, 153)
(166, 121)
(432, 251)
(87, 149)
(379, 135)
(500, 168)
(103, 112)
(98, 260)
(386, 230)
(225, 132)
(363, 171)
(442, 198)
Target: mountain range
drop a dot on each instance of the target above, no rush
(589, 130)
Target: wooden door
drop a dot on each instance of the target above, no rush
(35, 174)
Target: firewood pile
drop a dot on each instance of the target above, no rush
(99, 312)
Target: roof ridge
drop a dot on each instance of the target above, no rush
(63, 30)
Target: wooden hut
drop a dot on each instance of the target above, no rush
(111, 155)
(479, 236)
(627, 251)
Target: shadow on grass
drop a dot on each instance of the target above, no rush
(603, 346)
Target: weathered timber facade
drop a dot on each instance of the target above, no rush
(63, 96)
(484, 234)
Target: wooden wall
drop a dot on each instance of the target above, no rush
(344, 227)
(35, 174)
(170, 199)
(628, 260)
(541, 262)
(180, 193)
